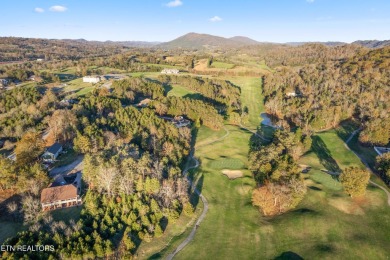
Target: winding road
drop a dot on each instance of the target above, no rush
(190, 237)
(366, 164)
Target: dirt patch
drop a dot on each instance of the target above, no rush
(370, 199)
(232, 174)
(347, 206)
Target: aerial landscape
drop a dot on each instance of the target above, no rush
(195, 129)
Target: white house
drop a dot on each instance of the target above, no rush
(170, 71)
(52, 153)
(91, 79)
(291, 94)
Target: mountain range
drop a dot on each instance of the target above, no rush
(201, 41)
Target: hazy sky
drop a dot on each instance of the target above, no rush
(164, 20)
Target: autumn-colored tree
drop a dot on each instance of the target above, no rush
(29, 148)
(274, 198)
(8, 177)
(354, 180)
(63, 124)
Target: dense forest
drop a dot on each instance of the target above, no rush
(30, 49)
(133, 161)
(327, 93)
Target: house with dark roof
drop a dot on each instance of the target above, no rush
(52, 153)
(4, 83)
(64, 192)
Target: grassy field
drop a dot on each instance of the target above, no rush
(79, 87)
(179, 91)
(222, 65)
(67, 214)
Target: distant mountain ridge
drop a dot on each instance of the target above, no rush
(331, 44)
(373, 43)
(199, 41)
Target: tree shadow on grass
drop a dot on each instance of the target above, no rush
(198, 184)
(289, 256)
(320, 149)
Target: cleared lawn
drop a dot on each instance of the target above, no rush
(67, 214)
(79, 87)
(9, 229)
(179, 91)
(326, 225)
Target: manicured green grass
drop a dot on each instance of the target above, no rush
(151, 75)
(227, 163)
(222, 65)
(251, 97)
(326, 225)
(205, 135)
(332, 152)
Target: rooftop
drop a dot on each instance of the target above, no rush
(54, 148)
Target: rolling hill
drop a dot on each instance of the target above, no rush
(199, 41)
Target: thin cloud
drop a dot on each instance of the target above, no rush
(39, 10)
(58, 8)
(215, 19)
(174, 3)
(310, 1)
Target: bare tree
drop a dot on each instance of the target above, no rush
(31, 208)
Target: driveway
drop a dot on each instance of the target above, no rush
(75, 166)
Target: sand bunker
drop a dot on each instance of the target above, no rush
(232, 174)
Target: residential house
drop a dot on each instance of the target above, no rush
(52, 153)
(4, 83)
(62, 193)
(291, 94)
(91, 79)
(180, 121)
